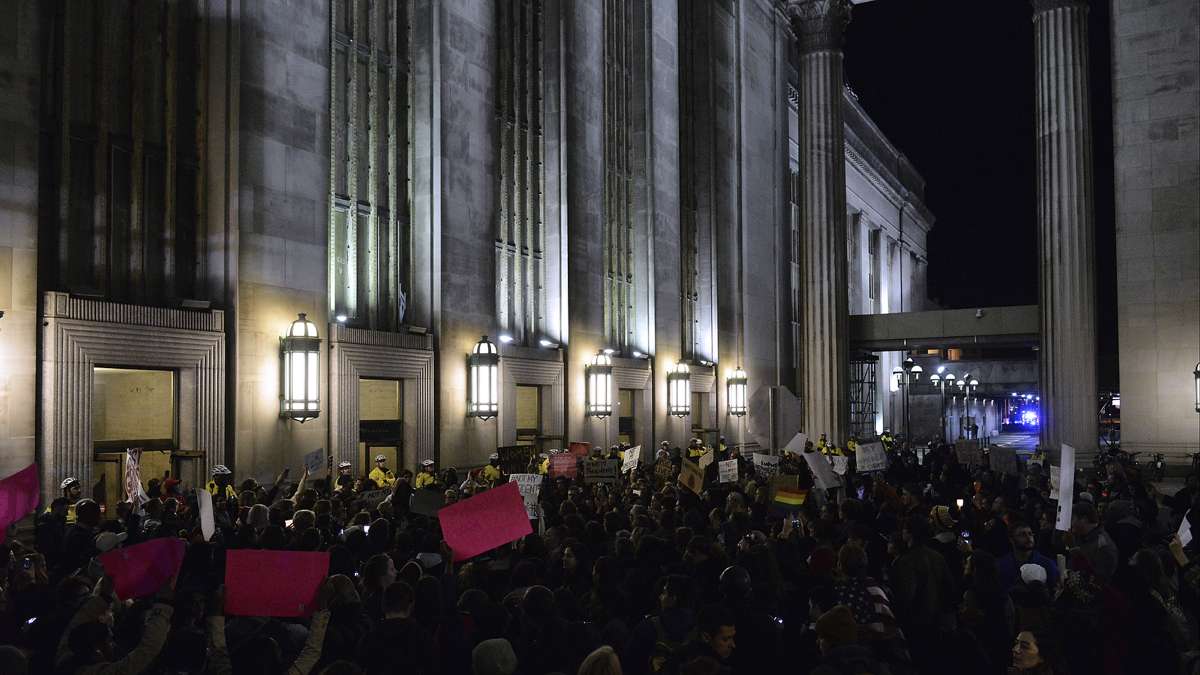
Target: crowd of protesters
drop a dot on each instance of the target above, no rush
(929, 567)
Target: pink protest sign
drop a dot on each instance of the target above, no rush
(485, 521)
(579, 448)
(563, 465)
(18, 497)
(141, 570)
(273, 583)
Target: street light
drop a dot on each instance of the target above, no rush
(940, 382)
(599, 385)
(737, 392)
(484, 370)
(679, 391)
(907, 374)
(1196, 375)
(300, 371)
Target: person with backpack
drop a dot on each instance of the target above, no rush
(656, 639)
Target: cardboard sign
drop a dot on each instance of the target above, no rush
(273, 583)
(373, 497)
(563, 464)
(706, 459)
(515, 458)
(841, 464)
(1066, 489)
(796, 445)
(579, 448)
(1004, 460)
(18, 497)
(766, 465)
(633, 456)
(822, 470)
(208, 525)
(664, 470)
(426, 502)
(314, 461)
(142, 569)
(485, 521)
(690, 476)
(871, 457)
(600, 470)
(727, 471)
(530, 485)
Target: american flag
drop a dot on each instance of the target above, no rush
(134, 493)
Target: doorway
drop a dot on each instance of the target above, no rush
(132, 408)
(625, 417)
(529, 415)
(380, 423)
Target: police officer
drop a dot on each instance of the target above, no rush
(343, 468)
(695, 449)
(544, 464)
(221, 481)
(492, 473)
(72, 491)
(382, 475)
(425, 477)
(823, 445)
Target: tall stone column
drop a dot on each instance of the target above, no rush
(1065, 226)
(819, 25)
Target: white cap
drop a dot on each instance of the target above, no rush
(1031, 572)
(107, 541)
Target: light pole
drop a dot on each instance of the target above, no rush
(907, 374)
(939, 380)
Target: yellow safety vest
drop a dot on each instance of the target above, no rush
(230, 493)
(491, 473)
(384, 478)
(424, 479)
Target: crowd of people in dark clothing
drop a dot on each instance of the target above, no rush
(928, 567)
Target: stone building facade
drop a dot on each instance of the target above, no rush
(181, 180)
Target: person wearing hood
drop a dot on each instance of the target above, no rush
(841, 651)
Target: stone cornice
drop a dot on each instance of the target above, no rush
(819, 25)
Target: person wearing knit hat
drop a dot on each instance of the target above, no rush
(493, 657)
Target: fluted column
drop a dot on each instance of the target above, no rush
(819, 25)
(1065, 226)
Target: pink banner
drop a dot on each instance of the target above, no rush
(273, 583)
(485, 521)
(563, 465)
(18, 497)
(142, 569)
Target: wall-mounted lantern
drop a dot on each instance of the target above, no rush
(483, 389)
(300, 371)
(599, 386)
(679, 391)
(736, 384)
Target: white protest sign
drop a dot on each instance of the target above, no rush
(706, 459)
(796, 445)
(530, 485)
(1066, 489)
(871, 457)
(822, 471)
(841, 464)
(208, 525)
(766, 465)
(314, 461)
(1185, 530)
(727, 471)
(1053, 482)
(633, 456)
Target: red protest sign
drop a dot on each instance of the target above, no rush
(18, 496)
(563, 465)
(141, 570)
(273, 583)
(579, 448)
(485, 521)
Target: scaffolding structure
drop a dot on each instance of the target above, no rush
(862, 395)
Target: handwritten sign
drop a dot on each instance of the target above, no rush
(841, 464)
(766, 465)
(208, 525)
(1066, 489)
(515, 458)
(727, 471)
(579, 448)
(530, 485)
(664, 470)
(1185, 529)
(600, 471)
(706, 459)
(314, 460)
(563, 464)
(822, 470)
(633, 456)
(1055, 474)
(871, 457)
(691, 477)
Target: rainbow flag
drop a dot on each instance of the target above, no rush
(789, 499)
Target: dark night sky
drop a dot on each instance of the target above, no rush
(953, 88)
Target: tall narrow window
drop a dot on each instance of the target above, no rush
(126, 106)
(795, 190)
(520, 228)
(369, 247)
(618, 172)
(691, 102)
